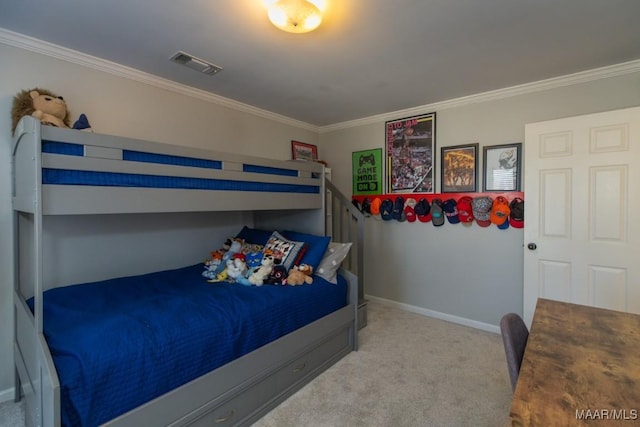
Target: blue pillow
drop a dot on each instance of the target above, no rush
(316, 246)
(254, 235)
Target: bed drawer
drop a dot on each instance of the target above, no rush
(252, 402)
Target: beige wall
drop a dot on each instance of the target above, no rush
(463, 274)
(118, 106)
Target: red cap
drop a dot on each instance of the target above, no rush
(465, 210)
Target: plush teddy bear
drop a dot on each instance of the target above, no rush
(262, 273)
(300, 274)
(47, 107)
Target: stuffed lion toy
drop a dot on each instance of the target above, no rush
(42, 104)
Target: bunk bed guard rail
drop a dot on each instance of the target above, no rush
(87, 173)
(345, 223)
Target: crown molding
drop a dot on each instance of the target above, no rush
(552, 83)
(49, 49)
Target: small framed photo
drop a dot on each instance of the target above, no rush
(502, 167)
(303, 151)
(459, 168)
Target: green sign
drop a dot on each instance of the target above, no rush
(367, 172)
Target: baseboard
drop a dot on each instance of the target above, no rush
(437, 315)
(6, 395)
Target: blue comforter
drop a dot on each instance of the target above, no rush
(119, 343)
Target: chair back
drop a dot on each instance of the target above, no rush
(514, 337)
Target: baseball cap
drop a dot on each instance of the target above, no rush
(500, 211)
(386, 209)
(517, 213)
(437, 214)
(375, 207)
(450, 208)
(398, 209)
(465, 211)
(366, 207)
(481, 207)
(409, 209)
(423, 210)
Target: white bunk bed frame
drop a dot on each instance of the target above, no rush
(238, 393)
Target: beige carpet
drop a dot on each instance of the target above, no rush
(11, 414)
(410, 370)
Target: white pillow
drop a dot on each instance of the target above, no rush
(333, 257)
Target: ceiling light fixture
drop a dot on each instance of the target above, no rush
(295, 16)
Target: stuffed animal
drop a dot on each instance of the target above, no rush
(227, 244)
(211, 264)
(300, 274)
(262, 273)
(82, 124)
(253, 261)
(220, 277)
(278, 275)
(236, 267)
(248, 248)
(235, 246)
(49, 108)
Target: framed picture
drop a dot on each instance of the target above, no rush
(502, 167)
(303, 151)
(459, 168)
(410, 145)
(367, 172)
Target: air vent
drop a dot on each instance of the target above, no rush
(195, 63)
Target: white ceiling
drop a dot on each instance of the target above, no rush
(368, 57)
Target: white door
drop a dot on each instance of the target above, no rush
(582, 190)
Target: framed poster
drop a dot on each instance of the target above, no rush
(367, 172)
(459, 168)
(502, 167)
(303, 151)
(410, 145)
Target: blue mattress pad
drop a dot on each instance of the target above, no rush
(119, 343)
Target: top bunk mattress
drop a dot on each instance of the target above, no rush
(122, 342)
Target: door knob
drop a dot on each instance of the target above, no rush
(532, 246)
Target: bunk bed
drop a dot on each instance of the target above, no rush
(62, 177)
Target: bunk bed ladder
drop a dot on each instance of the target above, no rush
(36, 379)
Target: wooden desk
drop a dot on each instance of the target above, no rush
(582, 359)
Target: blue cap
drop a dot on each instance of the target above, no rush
(386, 209)
(450, 208)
